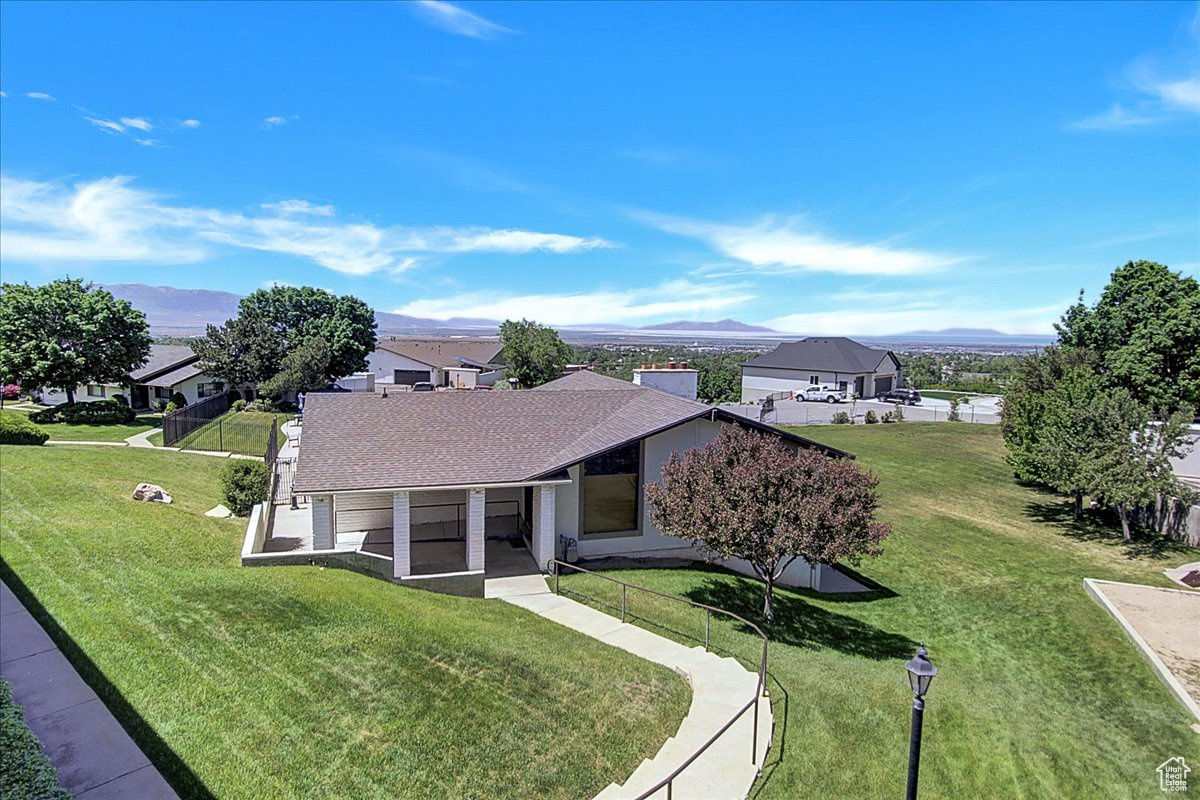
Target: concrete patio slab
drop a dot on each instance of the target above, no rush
(46, 683)
(21, 636)
(144, 784)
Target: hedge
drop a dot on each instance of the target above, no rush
(15, 428)
(245, 484)
(25, 772)
(101, 412)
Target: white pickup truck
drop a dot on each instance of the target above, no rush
(827, 394)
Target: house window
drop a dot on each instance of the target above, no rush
(611, 500)
(814, 380)
(162, 393)
(95, 391)
(209, 389)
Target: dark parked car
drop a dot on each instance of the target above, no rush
(909, 397)
(422, 386)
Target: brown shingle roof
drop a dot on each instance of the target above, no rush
(443, 352)
(411, 439)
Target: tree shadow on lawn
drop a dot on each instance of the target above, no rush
(1097, 527)
(800, 624)
(173, 768)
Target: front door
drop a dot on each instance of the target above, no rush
(859, 385)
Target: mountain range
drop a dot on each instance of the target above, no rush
(188, 311)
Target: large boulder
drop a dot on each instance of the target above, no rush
(150, 493)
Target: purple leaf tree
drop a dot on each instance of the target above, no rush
(747, 495)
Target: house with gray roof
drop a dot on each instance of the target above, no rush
(169, 370)
(820, 360)
(460, 361)
(437, 488)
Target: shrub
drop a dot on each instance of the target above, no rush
(245, 484)
(234, 396)
(954, 415)
(261, 404)
(179, 400)
(841, 418)
(870, 418)
(120, 398)
(12, 391)
(102, 412)
(239, 405)
(16, 428)
(25, 771)
(894, 416)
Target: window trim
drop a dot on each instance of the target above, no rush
(640, 513)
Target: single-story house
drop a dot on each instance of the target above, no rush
(820, 360)
(442, 361)
(427, 487)
(168, 370)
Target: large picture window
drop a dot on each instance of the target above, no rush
(611, 496)
(94, 390)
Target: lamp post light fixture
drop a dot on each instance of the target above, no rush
(920, 675)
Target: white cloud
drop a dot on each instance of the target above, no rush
(274, 122)
(40, 96)
(1115, 118)
(452, 19)
(109, 219)
(190, 123)
(149, 142)
(775, 246)
(286, 207)
(670, 299)
(1183, 94)
(106, 125)
(3, 94)
(855, 321)
(139, 123)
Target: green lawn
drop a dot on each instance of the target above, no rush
(66, 432)
(1039, 693)
(243, 432)
(281, 682)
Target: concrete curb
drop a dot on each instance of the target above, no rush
(1094, 589)
(94, 755)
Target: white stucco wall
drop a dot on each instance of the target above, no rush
(758, 382)
(679, 382)
(383, 364)
(53, 397)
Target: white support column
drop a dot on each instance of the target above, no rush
(542, 522)
(323, 522)
(401, 540)
(475, 528)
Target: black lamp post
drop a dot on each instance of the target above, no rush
(920, 675)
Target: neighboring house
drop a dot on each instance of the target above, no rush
(829, 360)
(169, 369)
(413, 485)
(444, 361)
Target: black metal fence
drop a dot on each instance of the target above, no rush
(181, 422)
(270, 458)
(226, 435)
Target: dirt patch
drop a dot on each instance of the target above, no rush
(1166, 619)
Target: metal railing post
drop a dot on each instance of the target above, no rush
(557, 573)
(623, 588)
(707, 627)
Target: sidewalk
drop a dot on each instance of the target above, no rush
(94, 755)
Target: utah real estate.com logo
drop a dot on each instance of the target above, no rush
(1172, 775)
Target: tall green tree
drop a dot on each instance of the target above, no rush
(302, 370)
(273, 322)
(1145, 331)
(68, 333)
(534, 353)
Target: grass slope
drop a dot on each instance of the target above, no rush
(243, 432)
(278, 682)
(1039, 694)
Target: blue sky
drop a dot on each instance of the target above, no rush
(821, 168)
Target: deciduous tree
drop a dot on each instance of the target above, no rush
(303, 370)
(1145, 331)
(68, 333)
(273, 322)
(534, 353)
(747, 495)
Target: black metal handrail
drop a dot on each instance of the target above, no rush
(555, 566)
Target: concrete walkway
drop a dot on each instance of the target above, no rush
(142, 439)
(720, 686)
(95, 757)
